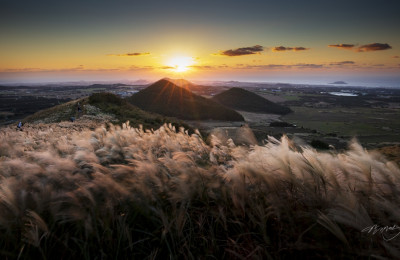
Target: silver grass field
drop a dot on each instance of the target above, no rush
(128, 193)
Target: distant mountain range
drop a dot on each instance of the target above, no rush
(241, 99)
(166, 98)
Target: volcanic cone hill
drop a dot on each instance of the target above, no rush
(241, 99)
(166, 98)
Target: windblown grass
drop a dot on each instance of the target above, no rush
(122, 192)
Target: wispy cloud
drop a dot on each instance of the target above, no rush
(256, 49)
(261, 66)
(342, 46)
(282, 48)
(374, 47)
(130, 54)
(340, 63)
(79, 68)
(280, 66)
(202, 67)
(363, 48)
(134, 67)
(308, 66)
(72, 69)
(267, 66)
(167, 67)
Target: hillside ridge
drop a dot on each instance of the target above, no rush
(102, 108)
(241, 99)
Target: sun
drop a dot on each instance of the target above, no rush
(180, 63)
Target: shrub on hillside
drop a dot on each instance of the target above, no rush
(318, 144)
(280, 124)
(105, 97)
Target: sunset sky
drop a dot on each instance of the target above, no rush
(286, 41)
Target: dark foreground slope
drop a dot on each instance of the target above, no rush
(166, 98)
(238, 98)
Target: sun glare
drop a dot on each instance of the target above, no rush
(180, 64)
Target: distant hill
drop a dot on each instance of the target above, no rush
(166, 98)
(183, 83)
(103, 107)
(241, 99)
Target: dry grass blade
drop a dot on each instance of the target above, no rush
(125, 192)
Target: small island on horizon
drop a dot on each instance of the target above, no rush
(339, 82)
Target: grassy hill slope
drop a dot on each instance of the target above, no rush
(241, 99)
(55, 114)
(103, 107)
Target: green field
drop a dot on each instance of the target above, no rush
(348, 122)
